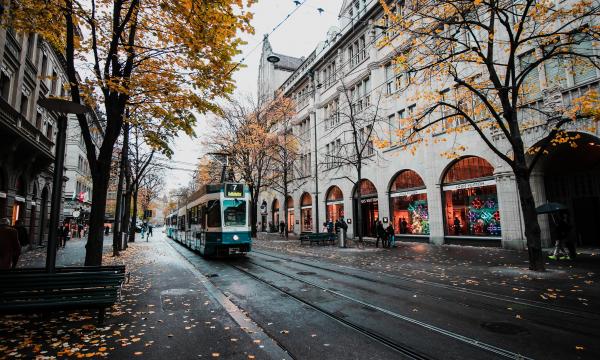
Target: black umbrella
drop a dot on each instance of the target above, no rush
(550, 207)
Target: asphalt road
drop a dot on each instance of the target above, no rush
(318, 310)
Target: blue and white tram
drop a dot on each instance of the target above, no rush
(215, 220)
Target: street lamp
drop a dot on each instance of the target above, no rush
(63, 108)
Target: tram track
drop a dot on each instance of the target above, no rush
(486, 294)
(507, 354)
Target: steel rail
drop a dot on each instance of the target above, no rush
(487, 294)
(476, 343)
(407, 351)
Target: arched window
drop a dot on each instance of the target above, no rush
(367, 189)
(334, 204)
(369, 208)
(291, 217)
(471, 199)
(468, 168)
(408, 204)
(306, 212)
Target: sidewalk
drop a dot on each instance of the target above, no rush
(569, 283)
(165, 311)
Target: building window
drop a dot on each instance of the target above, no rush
(24, 105)
(5, 85)
(334, 204)
(471, 199)
(38, 120)
(54, 83)
(408, 204)
(49, 132)
(306, 212)
(530, 88)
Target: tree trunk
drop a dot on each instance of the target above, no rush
(533, 233)
(118, 213)
(134, 214)
(285, 207)
(359, 207)
(94, 245)
(126, 209)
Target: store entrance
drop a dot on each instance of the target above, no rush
(572, 178)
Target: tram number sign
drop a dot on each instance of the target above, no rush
(234, 190)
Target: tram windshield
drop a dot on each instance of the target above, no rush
(234, 212)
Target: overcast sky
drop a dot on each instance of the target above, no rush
(298, 36)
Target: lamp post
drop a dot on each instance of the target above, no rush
(63, 108)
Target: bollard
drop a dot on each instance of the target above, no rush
(342, 238)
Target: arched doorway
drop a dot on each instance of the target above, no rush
(290, 213)
(275, 215)
(334, 204)
(43, 214)
(18, 210)
(471, 199)
(3, 193)
(572, 178)
(408, 204)
(369, 207)
(306, 213)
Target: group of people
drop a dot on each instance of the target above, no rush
(386, 235)
(331, 227)
(12, 239)
(146, 230)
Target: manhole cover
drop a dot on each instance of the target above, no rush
(306, 273)
(504, 328)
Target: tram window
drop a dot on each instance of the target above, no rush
(213, 214)
(234, 212)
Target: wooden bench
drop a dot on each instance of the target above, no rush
(321, 238)
(70, 288)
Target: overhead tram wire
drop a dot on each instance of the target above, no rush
(287, 17)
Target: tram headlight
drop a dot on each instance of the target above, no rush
(236, 238)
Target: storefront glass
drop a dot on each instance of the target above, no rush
(408, 204)
(334, 204)
(306, 213)
(471, 204)
(291, 218)
(369, 208)
(275, 213)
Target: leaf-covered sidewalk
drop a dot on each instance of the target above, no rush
(164, 312)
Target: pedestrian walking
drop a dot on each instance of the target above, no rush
(562, 233)
(22, 233)
(149, 232)
(324, 229)
(380, 230)
(391, 235)
(106, 230)
(329, 226)
(281, 227)
(10, 249)
(66, 234)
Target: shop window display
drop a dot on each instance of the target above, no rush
(408, 204)
(306, 212)
(471, 203)
(334, 204)
(369, 208)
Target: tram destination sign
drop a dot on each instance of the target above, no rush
(234, 190)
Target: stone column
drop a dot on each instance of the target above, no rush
(511, 218)
(436, 214)
(539, 195)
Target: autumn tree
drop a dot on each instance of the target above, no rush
(489, 53)
(242, 132)
(284, 151)
(150, 188)
(164, 56)
(357, 122)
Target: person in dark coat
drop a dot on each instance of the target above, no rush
(281, 227)
(457, 227)
(380, 234)
(391, 235)
(403, 226)
(23, 233)
(10, 249)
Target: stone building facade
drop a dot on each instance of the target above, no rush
(30, 70)
(427, 196)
